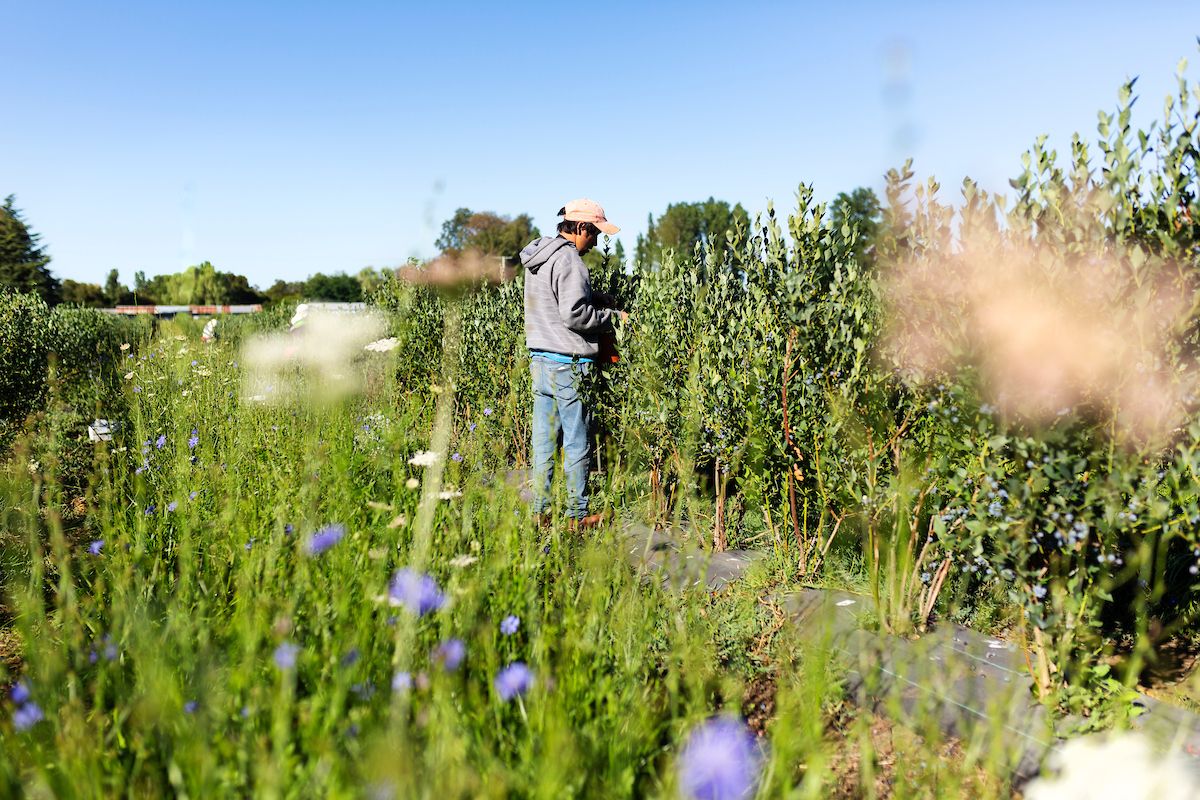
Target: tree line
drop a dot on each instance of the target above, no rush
(24, 261)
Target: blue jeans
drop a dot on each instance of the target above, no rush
(558, 405)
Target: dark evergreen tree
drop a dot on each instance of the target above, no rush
(23, 263)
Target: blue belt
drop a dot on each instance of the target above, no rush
(559, 357)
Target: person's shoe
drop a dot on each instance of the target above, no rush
(587, 523)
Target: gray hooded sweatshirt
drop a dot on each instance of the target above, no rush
(560, 315)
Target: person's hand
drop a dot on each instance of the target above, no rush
(624, 315)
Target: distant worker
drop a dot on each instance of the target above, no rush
(564, 325)
(210, 331)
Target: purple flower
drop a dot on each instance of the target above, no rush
(402, 682)
(27, 716)
(193, 495)
(450, 654)
(190, 707)
(161, 441)
(1039, 591)
(137, 390)
(325, 538)
(509, 625)
(250, 543)
(110, 649)
(194, 439)
(456, 458)
(514, 680)
(95, 547)
(19, 692)
(194, 362)
(351, 657)
(150, 509)
(171, 506)
(471, 427)
(285, 655)
(720, 760)
(93, 656)
(287, 529)
(487, 412)
(416, 592)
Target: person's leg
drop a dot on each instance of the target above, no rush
(575, 416)
(545, 433)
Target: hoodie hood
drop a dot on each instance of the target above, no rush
(539, 251)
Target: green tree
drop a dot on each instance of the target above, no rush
(89, 295)
(487, 232)
(201, 284)
(861, 211)
(370, 279)
(285, 290)
(338, 288)
(115, 292)
(23, 263)
(684, 225)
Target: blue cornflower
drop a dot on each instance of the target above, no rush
(287, 529)
(251, 542)
(194, 439)
(719, 760)
(351, 657)
(194, 362)
(95, 547)
(137, 390)
(193, 495)
(325, 538)
(487, 412)
(110, 649)
(285, 655)
(417, 592)
(20, 692)
(1039, 591)
(402, 682)
(450, 654)
(150, 509)
(471, 427)
(190, 707)
(457, 458)
(161, 441)
(27, 716)
(171, 506)
(513, 681)
(509, 625)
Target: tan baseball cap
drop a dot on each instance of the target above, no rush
(584, 210)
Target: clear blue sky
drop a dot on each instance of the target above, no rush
(285, 138)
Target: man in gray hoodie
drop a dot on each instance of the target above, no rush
(564, 321)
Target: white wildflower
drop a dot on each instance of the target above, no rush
(128, 376)
(398, 522)
(125, 346)
(412, 483)
(1120, 766)
(449, 494)
(463, 561)
(425, 458)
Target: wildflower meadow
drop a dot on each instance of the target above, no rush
(297, 558)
